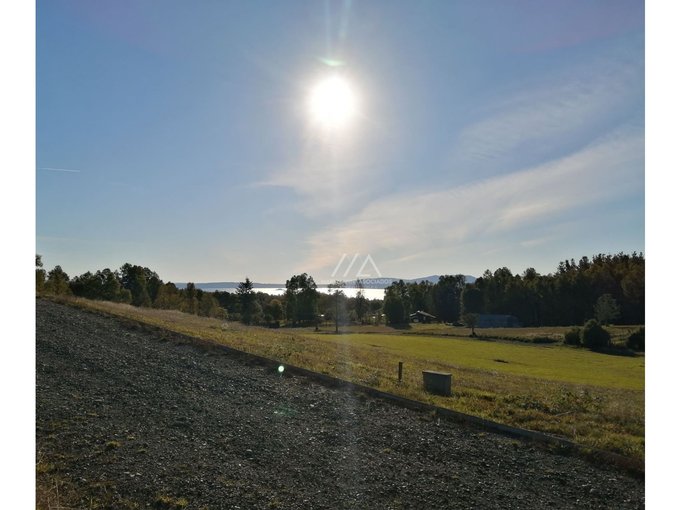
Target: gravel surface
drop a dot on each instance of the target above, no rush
(135, 419)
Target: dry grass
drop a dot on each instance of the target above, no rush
(594, 399)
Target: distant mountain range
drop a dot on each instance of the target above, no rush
(373, 283)
(381, 283)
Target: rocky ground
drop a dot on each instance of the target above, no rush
(128, 418)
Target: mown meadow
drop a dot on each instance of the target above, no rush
(594, 399)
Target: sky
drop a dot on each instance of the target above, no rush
(178, 136)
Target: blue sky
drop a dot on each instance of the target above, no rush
(175, 135)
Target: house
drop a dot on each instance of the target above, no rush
(421, 316)
(488, 320)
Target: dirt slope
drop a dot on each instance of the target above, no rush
(128, 419)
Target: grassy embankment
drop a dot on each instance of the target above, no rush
(595, 399)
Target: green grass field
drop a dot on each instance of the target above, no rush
(546, 334)
(594, 399)
(547, 362)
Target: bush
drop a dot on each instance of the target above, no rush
(636, 340)
(573, 337)
(594, 336)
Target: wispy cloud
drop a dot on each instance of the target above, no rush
(446, 220)
(50, 169)
(335, 170)
(543, 116)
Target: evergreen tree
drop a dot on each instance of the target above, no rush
(190, 299)
(360, 302)
(472, 300)
(447, 292)
(246, 298)
(393, 307)
(338, 301)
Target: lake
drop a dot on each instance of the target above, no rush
(349, 291)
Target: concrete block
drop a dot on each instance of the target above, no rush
(438, 383)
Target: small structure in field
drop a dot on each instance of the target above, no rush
(438, 383)
(421, 316)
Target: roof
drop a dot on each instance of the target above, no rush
(425, 314)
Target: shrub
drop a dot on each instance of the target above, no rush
(636, 340)
(594, 336)
(573, 337)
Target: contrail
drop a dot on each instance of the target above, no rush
(59, 169)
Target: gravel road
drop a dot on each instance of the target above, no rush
(128, 418)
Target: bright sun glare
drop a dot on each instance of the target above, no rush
(332, 102)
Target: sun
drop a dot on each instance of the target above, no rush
(333, 102)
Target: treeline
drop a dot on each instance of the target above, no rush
(610, 288)
(606, 287)
(302, 304)
(135, 285)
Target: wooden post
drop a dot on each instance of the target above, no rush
(401, 366)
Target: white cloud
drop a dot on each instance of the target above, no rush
(326, 183)
(405, 225)
(543, 116)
